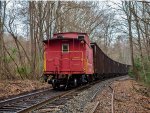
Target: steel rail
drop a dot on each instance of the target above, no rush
(38, 105)
(21, 97)
(11, 105)
(35, 106)
(34, 101)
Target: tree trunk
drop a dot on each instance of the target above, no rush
(2, 20)
(32, 29)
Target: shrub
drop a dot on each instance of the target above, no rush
(23, 70)
(142, 70)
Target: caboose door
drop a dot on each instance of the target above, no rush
(65, 58)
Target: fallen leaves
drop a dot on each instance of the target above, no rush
(126, 98)
(9, 88)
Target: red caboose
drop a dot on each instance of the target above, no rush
(68, 59)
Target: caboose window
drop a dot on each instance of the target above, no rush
(65, 48)
(81, 37)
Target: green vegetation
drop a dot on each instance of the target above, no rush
(23, 70)
(141, 70)
(8, 58)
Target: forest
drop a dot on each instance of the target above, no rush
(121, 29)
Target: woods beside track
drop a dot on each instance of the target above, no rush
(24, 27)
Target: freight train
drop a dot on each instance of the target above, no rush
(70, 59)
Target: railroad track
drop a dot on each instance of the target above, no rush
(21, 103)
(56, 104)
(33, 101)
(42, 101)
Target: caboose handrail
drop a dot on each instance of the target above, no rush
(67, 52)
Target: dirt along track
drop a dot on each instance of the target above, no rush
(50, 100)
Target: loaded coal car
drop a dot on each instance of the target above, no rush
(105, 66)
(71, 60)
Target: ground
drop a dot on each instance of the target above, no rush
(10, 88)
(128, 97)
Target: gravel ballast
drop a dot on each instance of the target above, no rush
(79, 103)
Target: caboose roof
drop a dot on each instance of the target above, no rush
(66, 35)
(70, 33)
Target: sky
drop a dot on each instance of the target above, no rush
(20, 25)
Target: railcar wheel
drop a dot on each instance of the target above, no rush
(66, 86)
(75, 82)
(54, 85)
(84, 79)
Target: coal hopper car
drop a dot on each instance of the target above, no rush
(105, 66)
